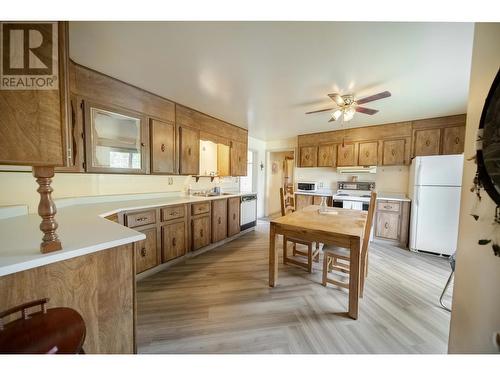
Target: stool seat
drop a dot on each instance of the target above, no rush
(56, 330)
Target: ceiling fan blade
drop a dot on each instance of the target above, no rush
(380, 95)
(367, 111)
(320, 110)
(337, 99)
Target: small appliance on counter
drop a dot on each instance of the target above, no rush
(307, 186)
(248, 211)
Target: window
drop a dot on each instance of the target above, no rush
(246, 182)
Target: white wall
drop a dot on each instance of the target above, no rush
(476, 298)
(259, 147)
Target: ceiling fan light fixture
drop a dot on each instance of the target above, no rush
(336, 115)
(349, 113)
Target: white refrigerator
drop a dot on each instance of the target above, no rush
(435, 187)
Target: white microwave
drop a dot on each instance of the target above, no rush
(307, 186)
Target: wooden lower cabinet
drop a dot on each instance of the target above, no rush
(173, 240)
(233, 216)
(317, 200)
(219, 220)
(146, 255)
(303, 200)
(100, 286)
(392, 221)
(200, 231)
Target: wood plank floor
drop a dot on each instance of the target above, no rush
(220, 302)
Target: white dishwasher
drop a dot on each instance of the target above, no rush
(248, 211)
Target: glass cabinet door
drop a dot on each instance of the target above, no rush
(115, 141)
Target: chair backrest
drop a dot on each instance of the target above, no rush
(282, 202)
(369, 223)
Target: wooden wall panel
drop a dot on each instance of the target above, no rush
(100, 286)
(107, 90)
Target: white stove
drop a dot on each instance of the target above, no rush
(354, 195)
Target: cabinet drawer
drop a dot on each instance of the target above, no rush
(138, 219)
(200, 208)
(146, 255)
(388, 206)
(173, 212)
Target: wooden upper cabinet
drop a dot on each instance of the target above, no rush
(162, 147)
(116, 140)
(393, 152)
(34, 124)
(238, 156)
(368, 153)
(189, 151)
(426, 142)
(308, 156)
(223, 160)
(346, 155)
(219, 220)
(453, 140)
(233, 216)
(327, 155)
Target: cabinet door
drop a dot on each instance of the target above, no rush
(219, 220)
(189, 151)
(173, 240)
(368, 153)
(427, 142)
(146, 255)
(200, 231)
(303, 200)
(453, 140)
(345, 155)
(223, 157)
(308, 156)
(387, 225)
(327, 156)
(393, 152)
(233, 216)
(162, 147)
(33, 123)
(238, 156)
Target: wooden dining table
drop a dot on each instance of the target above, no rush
(339, 226)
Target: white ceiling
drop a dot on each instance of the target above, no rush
(265, 75)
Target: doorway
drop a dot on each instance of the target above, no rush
(280, 174)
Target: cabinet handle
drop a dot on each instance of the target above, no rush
(457, 140)
(307, 157)
(219, 221)
(162, 147)
(173, 213)
(174, 242)
(386, 225)
(189, 151)
(143, 252)
(393, 152)
(234, 216)
(201, 232)
(367, 153)
(427, 142)
(388, 207)
(142, 144)
(141, 218)
(345, 155)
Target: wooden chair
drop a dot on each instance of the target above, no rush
(337, 258)
(312, 252)
(48, 331)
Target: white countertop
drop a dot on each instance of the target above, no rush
(82, 229)
(381, 195)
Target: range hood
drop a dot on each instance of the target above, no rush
(357, 170)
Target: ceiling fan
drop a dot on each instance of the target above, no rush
(347, 105)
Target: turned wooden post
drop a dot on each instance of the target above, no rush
(47, 209)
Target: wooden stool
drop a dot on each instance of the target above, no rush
(49, 331)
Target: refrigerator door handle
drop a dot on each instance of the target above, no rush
(419, 172)
(417, 193)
